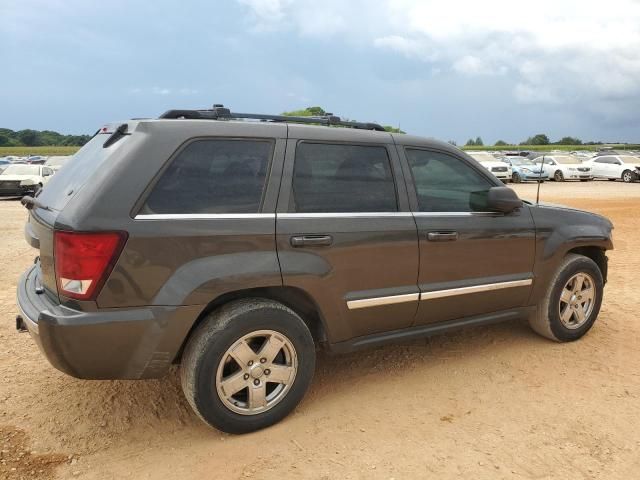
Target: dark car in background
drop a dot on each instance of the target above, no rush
(237, 244)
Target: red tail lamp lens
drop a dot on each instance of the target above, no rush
(85, 260)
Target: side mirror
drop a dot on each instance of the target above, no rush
(503, 199)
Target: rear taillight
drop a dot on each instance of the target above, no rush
(84, 260)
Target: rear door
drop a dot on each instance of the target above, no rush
(472, 261)
(344, 231)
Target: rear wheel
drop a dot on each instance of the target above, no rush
(572, 302)
(248, 365)
(628, 176)
(558, 176)
(515, 177)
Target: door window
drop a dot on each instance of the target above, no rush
(330, 178)
(213, 176)
(446, 184)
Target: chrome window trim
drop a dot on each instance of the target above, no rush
(202, 216)
(379, 301)
(487, 287)
(345, 215)
(456, 214)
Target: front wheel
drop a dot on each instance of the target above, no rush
(558, 176)
(515, 177)
(572, 302)
(248, 365)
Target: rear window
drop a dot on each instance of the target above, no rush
(64, 184)
(213, 176)
(331, 178)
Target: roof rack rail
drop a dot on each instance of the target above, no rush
(219, 112)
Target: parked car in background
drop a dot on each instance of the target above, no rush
(564, 167)
(19, 180)
(614, 167)
(56, 163)
(500, 169)
(36, 160)
(524, 169)
(4, 164)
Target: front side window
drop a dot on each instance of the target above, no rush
(213, 176)
(330, 178)
(447, 184)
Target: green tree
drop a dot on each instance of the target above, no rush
(539, 139)
(29, 138)
(479, 142)
(4, 140)
(569, 141)
(391, 129)
(452, 142)
(306, 112)
(470, 143)
(500, 143)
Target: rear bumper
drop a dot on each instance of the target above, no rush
(104, 344)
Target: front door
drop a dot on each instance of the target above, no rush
(345, 234)
(472, 261)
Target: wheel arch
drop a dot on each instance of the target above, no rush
(596, 254)
(295, 298)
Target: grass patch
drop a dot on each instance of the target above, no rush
(46, 151)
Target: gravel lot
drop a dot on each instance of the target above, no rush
(492, 402)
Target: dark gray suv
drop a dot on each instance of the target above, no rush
(236, 244)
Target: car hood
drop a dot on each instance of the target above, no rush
(13, 178)
(576, 211)
(494, 164)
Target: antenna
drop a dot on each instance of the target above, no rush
(539, 181)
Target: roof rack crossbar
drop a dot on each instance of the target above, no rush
(221, 113)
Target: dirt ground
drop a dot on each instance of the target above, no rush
(484, 403)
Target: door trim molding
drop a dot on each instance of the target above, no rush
(449, 292)
(487, 287)
(379, 301)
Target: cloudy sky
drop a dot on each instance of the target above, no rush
(450, 70)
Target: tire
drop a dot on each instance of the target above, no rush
(547, 320)
(628, 176)
(558, 176)
(515, 177)
(207, 360)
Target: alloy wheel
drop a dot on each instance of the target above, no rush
(577, 300)
(256, 372)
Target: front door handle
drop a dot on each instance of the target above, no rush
(311, 240)
(442, 236)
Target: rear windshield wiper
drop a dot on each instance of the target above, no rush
(30, 202)
(118, 133)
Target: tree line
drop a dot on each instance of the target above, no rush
(538, 139)
(37, 138)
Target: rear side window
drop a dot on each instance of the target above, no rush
(332, 178)
(213, 176)
(447, 184)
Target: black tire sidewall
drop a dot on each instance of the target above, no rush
(206, 396)
(561, 332)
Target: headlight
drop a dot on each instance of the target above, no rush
(573, 169)
(526, 170)
(25, 183)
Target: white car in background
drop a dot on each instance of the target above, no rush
(22, 179)
(615, 167)
(56, 163)
(498, 168)
(565, 167)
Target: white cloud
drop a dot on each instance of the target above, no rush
(582, 54)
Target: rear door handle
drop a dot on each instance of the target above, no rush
(442, 236)
(311, 241)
